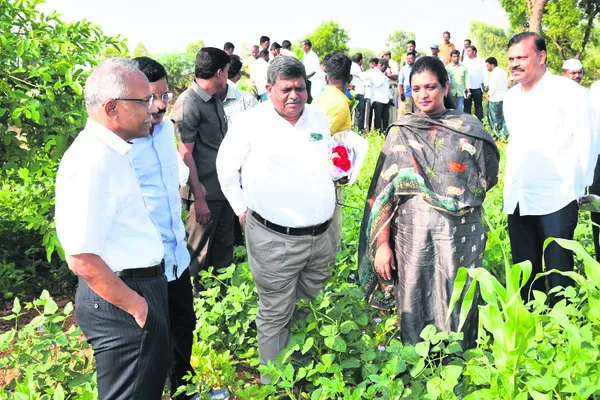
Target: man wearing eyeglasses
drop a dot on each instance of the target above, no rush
(156, 163)
(200, 125)
(109, 239)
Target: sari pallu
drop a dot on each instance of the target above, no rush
(448, 161)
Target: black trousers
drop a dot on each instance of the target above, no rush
(477, 98)
(212, 244)
(359, 112)
(527, 235)
(368, 114)
(595, 217)
(183, 322)
(131, 362)
(382, 116)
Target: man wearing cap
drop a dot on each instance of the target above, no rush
(573, 69)
(446, 48)
(392, 74)
(435, 52)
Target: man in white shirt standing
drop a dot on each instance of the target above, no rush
(258, 73)
(310, 60)
(287, 201)
(392, 71)
(109, 239)
(286, 49)
(380, 96)
(358, 78)
(550, 159)
(476, 71)
(496, 88)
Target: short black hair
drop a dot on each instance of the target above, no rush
(445, 33)
(467, 40)
(383, 62)
(338, 67)
(263, 53)
(540, 43)
(307, 42)
(286, 44)
(235, 65)
(153, 70)
(492, 60)
(411, 42)
(264, 39)
(453, 52)
(209, 61)
(473, 48)
(411, 53)
(275, 45)
(325, 59)
(357, 57)
(228, 46)
(374, 60)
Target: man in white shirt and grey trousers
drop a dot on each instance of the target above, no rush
(287, 201)
(109, 239)
(550, 159)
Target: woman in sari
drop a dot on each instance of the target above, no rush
(422, 220)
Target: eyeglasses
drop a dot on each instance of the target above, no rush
(149, 100)
(165, 97)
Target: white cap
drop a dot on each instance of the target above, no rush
(572, 64)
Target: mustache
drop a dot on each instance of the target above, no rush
(517, 69)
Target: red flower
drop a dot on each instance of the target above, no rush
(341, 160)
(456, 167)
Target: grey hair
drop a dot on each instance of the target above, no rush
(285, 67)
(107, 82)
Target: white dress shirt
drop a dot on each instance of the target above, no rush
(99, 204)
(498, 85)
(155, 161)
(551, 150)
(380, 86)
(289, 53)
(476, 71)
(311, 63)
(357, 78)
(285, 167)
(258, 73)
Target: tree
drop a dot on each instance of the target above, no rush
(490, 41)
(367, 55)
(568, 24)
(329, 37)
(193, 47)
(140, 50)
(43, 65)
(396, 43)
(180, 69)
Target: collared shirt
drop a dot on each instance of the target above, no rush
(357, 78)
(380, 88)
(497, 85)
(155, 160)
(476, 72)
(237, 101)
(445, 50)
(404, 80)
(99, 204)
(337, 108)
(289, 53)
(258, 73)
(551, 150)
(318, 83)
(458, 79)
(311, 63)
(285, 167)
(394, 69)
(199, 118)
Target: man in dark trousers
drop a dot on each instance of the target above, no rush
(200, 125)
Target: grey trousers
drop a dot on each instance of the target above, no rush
(131, 362)
(285, 269)
(336, 224)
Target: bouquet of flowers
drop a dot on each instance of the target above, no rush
(348, 152)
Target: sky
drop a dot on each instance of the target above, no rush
(168, 26)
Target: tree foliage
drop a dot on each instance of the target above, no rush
(396, 43)
(329, 37)
(193, 47)
(140, 50)
(180, 68)
(490, 41)
(43, 65)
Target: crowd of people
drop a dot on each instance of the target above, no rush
(252, 165)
